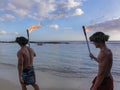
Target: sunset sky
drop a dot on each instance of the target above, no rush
(60, 19)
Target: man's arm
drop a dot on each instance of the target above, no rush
(93, 57)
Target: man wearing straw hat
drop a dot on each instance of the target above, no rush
(103, 80)
(25, 64)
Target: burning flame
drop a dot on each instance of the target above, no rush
(33, 27)
(87, 29)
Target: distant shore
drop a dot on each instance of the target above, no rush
(41, 43)
(51, 42)
(56, 42)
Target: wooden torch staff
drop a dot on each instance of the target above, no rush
(28, 38)
(86, 39)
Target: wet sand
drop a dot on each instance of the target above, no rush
(46, 81)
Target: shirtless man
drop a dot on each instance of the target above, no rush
(103, 80)
(25, 64)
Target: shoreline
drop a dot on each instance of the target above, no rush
(46, 81)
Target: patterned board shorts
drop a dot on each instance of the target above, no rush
(28, 75)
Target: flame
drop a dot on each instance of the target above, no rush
(87, 29)
(33, 27)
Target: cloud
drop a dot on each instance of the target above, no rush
(107, 26)
(67, 29)
(3, 32)
(71, 4)
(54, 26)
(7, 17)
(40, 9)
(78, 11)
(67, 9)
(17, 8)
(111, 27)
(14, 33)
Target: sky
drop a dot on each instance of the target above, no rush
(60, 19)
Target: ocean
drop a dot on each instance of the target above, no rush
(64, 60)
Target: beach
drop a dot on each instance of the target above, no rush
(9, 80)
(46, 81)
(57, 66)
(63, 43)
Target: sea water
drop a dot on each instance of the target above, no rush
(64, 60)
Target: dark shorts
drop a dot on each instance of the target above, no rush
(107, 84)
(28, 75)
